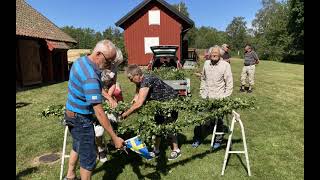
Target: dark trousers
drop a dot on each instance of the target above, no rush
(202, 131)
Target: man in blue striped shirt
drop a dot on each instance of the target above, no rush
(85, 99)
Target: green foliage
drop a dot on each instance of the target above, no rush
(191, 112)
(296, 28)
(279, 29)
(121, 107)
(168, 73)
(237, 33)
(87, 38)
(207, 37)
(181, 7)
(84, 36)
(53, 110)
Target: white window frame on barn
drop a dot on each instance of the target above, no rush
(148, 42)
(154, 17)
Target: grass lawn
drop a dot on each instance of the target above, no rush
(274, 132)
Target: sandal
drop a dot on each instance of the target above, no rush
(174, 155)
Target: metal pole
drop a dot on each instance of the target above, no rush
(63, 151)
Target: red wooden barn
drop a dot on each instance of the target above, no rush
(41, 48)
(151, 23)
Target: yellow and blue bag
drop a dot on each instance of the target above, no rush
(137, 146)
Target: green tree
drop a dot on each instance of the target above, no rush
(182, 7)
(71, 31)
(84, 36)
(209, 36)
(296, 28)
(237, 33)
(98, 36)
(191, 34)
(107, 33)
(271, 33)
(116, 36)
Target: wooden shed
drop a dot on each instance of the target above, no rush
(152, 23)
(41, 48)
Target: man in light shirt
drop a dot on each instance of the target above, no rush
(216, 82)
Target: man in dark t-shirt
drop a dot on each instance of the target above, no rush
(250, 60)
(149, 87)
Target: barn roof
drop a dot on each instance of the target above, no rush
(31, 23)
(130, 14)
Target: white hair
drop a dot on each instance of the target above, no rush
(119, 57)
(224, 45)
(104, 45)
(216, 47)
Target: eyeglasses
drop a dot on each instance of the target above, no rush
(104, 56)
(107, 60)
(131, 77)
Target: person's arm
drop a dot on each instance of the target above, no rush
(105, 123)
(111, 89)
(228, 79)
(143, 92)
(203, 84)
(135, 98)
(93, 96)
(113, 86)
(109, 98)
(255, 56)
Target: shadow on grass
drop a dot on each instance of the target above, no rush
(21, 104)
(115, 166)
(35, 86)
(245, 167)
(242, 163)
(163, 168)
(26, 172)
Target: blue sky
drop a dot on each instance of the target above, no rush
(100, 14)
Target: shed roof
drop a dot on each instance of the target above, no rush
(31, 23)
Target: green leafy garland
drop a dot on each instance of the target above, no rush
(167, 73)
(191, 112)
(53, 110)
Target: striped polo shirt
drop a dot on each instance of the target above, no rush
(84, 86)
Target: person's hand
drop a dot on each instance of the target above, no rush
(123, 116)
(118, 142)
(197, 74)
(112, 103)
(120, 118)
(133, 100)
(257, 61)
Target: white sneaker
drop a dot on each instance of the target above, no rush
(102, 156)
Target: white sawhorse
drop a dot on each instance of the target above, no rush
(63, 156)
(235, 118)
